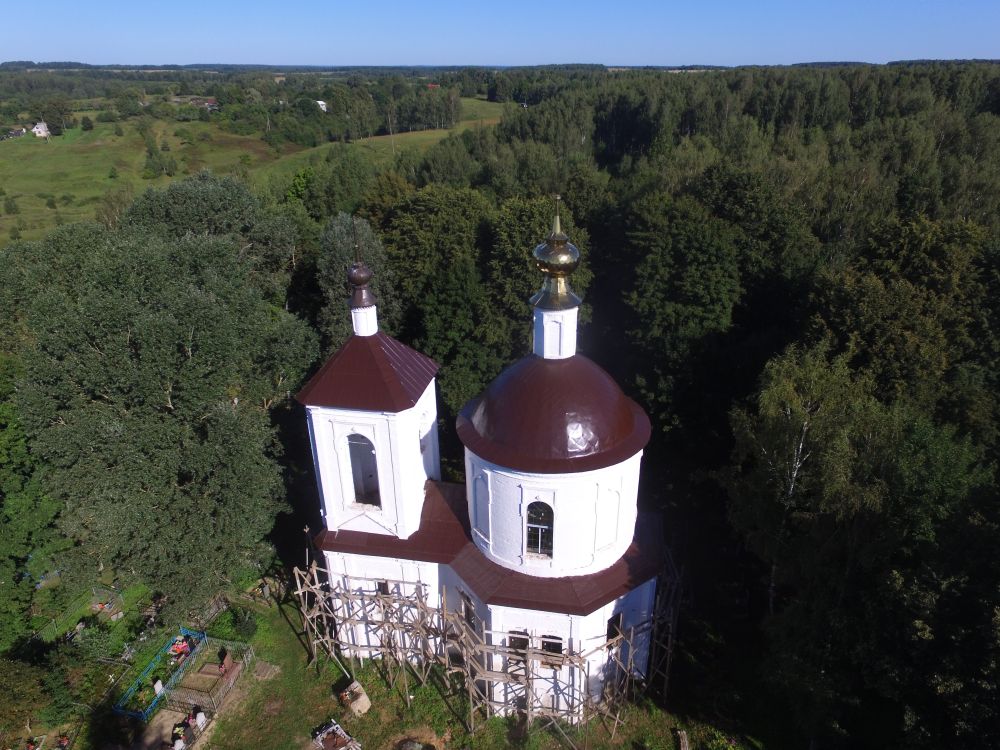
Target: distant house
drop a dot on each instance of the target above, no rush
(208, 102)
(41, 130)
(433, 85)
(321, 105)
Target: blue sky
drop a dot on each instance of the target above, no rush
(516, 32)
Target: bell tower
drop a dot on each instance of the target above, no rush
(372, 415)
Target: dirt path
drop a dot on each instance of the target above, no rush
(158, 730)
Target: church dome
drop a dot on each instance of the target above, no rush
(553, 416)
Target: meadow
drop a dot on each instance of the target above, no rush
(45, 183)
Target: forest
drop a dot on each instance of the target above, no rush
(796, 271)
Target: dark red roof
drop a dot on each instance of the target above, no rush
(371, 373)
(443, 537)
(553, 416)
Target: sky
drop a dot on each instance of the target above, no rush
(508, 32)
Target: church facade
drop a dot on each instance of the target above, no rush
(543, 544)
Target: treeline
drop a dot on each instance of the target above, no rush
(289, 111)
(279, 108)
(794, 270)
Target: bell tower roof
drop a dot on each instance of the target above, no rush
(370, 373)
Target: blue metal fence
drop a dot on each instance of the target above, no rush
(145, 713)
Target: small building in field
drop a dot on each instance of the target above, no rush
(41, 130)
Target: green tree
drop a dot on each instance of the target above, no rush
(853, 506)
(56, 112)
(222, 206)
(152, 371)
(686, 282)
(910, 310)
(343, 239)
(27, 534)
(438, 235)
(25, 699)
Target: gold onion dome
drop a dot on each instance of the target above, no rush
(557, 258)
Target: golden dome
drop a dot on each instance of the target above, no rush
(557, 258)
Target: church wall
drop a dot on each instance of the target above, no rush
(585, 634)
(456, 592)
(361, 574)
(594, 515)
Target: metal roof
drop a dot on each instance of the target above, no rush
(553, 416)
(444, 538)
(370, 373)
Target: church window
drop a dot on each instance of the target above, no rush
(552, 646)
(481, 506)
(364, 470)
(469, 611)
(615, 626)
(539, 528)
(518, 640)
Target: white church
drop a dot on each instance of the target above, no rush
(544, 540)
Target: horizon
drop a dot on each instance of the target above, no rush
(722, 33)
(55, 65)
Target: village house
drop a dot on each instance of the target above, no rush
(41, 130)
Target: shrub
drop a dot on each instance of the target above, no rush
(237, 624)
(244, 623)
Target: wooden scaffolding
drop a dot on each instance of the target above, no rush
(521, 673)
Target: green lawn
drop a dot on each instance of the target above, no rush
(474, 110)
(279, 713)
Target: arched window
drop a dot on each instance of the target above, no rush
(364, 470)
(539, 529)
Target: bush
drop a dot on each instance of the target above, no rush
(244, 623)
(237, 624)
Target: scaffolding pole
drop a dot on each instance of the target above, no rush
(515, 673)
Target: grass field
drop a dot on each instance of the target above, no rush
(383, 148)
(279, 713)
(47, 183)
